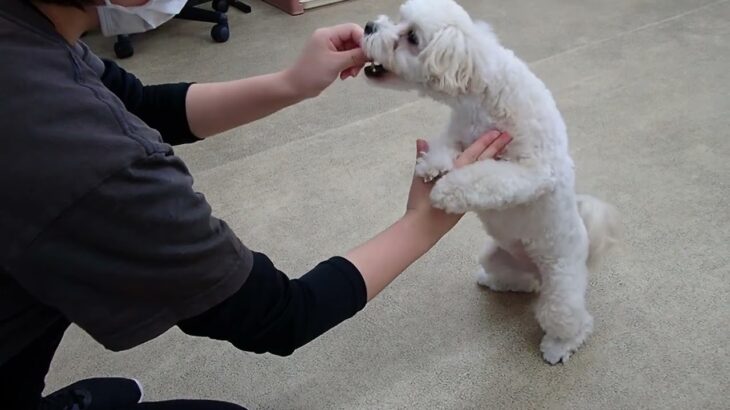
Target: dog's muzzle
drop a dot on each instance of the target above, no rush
(373, 70)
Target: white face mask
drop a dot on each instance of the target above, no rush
(116, 19)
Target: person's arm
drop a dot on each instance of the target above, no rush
(144, 253)
(330, 52)
(275, 314)
(186, 112)
(162, 107)
(216, 107)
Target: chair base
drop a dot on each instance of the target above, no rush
(220, 32)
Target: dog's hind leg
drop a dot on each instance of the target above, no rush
(501, 272)
(561, 310)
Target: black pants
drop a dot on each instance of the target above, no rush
(186, 405)
(22, 379)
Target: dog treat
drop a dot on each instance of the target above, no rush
(375, 70)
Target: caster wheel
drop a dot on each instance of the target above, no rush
(123, 49)
(220, 5)
(220, 33)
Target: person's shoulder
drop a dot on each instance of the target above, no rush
(57, 112)
(22, 42)
(62, 132)
(52, 93)
(37, 68)
(50, 98)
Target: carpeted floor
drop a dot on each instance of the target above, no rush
(643, 86)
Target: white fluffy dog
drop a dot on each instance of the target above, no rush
(544, 235)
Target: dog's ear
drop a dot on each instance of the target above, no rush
(449, 62)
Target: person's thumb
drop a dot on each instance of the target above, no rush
(421, 147)
(351, 58)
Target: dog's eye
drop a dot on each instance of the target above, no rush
(412, 38)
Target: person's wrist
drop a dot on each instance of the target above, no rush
(292, 84)
(433, 222)
(293, 81)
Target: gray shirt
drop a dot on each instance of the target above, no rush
(99, 222)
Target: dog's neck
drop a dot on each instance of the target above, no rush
(510, 100)
(501, 94)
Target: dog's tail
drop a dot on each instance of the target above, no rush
(602, 223)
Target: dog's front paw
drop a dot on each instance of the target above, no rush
(426, 171)
(449, 197)
(432, 165)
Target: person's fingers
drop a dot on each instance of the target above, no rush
(351, 66)
(349, 45)
(473, 152)
(341, 37)
(350, 72)
(421, 147)
(346, 73)
(419, 188)
(504, 148)
(345, 33)
(351, 58)
(496, 147)
(354, 71)
(501, 151)
(345, 40)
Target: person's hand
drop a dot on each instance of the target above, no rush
(381, 259)
(329, 53)
(488, 146)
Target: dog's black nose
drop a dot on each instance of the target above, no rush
(370, 28)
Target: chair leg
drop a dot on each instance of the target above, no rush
(243, 7)
(222, 5)
(196, 14)
(220, 32)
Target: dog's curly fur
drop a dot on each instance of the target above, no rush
(545, 236)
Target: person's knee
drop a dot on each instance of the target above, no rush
(188, 405)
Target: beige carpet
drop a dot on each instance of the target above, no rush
(643, 85)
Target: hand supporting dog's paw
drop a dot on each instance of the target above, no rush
(434, 164)
(449, 196)
(454, 191)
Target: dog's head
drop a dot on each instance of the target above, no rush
(435, 46)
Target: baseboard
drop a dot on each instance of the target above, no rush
(310, 4)
(295, 7)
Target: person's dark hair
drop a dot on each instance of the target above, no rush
(73, 3)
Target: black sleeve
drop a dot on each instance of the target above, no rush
(272, 313)
(162, 107)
